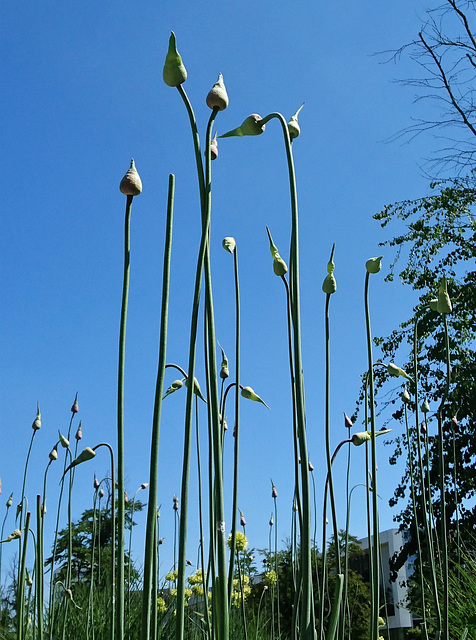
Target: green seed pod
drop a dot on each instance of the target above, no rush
(374, 264)
(444, 302)
(279, 266)
(229, 244)
(249, 127)
(249, 394)
(217, 96)
(131, 184)
(174, 73)
(293, 125)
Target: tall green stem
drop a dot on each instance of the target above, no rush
(150, 578)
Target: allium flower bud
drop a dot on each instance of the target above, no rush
(214, 148)
(249, 127)
(229, 244)
(175, 386)
(310, 465)
(347, 422)
(37, 421)
(217, 96)
(395, 371)
(14, 535)
(425, 407)
(96, 482)
(444, 302)
(406, 396)
(366, 436)
(174, 73)
(242, 519)
(329, 286)
(293, 126)
(271, 521)
(28, 580)
(75, 407)
(434, 304)
(175, 503)
(10, 501)
(79, 433)
(373, 265)
(101, 493)
(161, 541)
(454, 420)
(279, 266)
(423, 428)
(126, 498)
(53, 455)
(196, 388)
(131, 184)
(249, 394)
(144, 485)
(64, 442)
(84, 456)
(274, 493)
(224, 371)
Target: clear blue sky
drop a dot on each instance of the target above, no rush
(82, 93)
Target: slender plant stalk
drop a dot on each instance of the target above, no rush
(150, 578)
(21, 578)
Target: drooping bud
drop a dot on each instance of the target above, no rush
(144, 485)
(214, 148)
(131, 184)
(79, 433)
(64, 442)
(37, 421)
(347, 422)
(174, 73)
(425, 407)
(293, 125)
(444, 302)
(13, 536)
(84, 456)
(75, 407)
(53, 455)
(196, 389)
(249, 127)
(229, 244)
(373, 265)
(249, 394)
(395, 371)
(217, 96)
(279, 266)
(175, 386)
(365, 436)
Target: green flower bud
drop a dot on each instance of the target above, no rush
(395, 371)
(434, 304)
(214, 148)
(366, 436)
(174, 73)
(13, 536)
(293, 126)
(329, 286)
(279, 266)
(131, 184)
(53, 454)
(217, 96)
(347, 422)
(249, 394)
(64, 442)
(10, 501)
(444, 303)
(175, 386)
(425, 407)
(84, 456)
(224, 371)
(229, 244)
(249, 127)
(37, 421)
(374, 265)
(196, 388)
(406, 396)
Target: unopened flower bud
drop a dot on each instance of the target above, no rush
(225, 370)
(249, 127)
(10, 501)
(175, 386)
(144, 485)
(406, 396)
(84, 456)
(454, 420)
(53, 455)
(101, 493)
(217, 96)
(249, 394)
(274, 492)
(14, 535)
(242, 519)
(37, 421)
(79, 433)
(175, 503)
(174, 73)
(366, 436)
(64, 442)
(310, 465)
(75, 407)
(196, 388)
(28, 580)
(373, 265)
(96, 482)
(423, 428)
(126, 498)
(271, 521)
(434, 304)
(229, 244)
(329, 286)
(444, 302)
(214, 148)
(279, 266)
(347, 422)
(425, 407)
(395, 371)
(131, 184)
(293, 125)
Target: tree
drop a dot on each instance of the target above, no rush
(445, 51)
(438, 239)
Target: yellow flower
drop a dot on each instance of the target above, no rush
(241, 541)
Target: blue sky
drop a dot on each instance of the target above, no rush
(82, 93)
